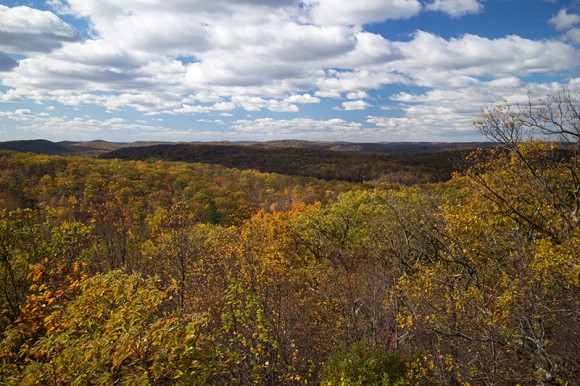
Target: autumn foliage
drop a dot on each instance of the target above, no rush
(126, 272)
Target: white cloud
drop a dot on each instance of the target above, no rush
(111, 74)
(573, 35)
(360, 12)
(432, 61)
(195, 57)
(92, 65)
(446, 115)
(257, 49)
(355, 105)
(371, 49)
(455, 8)
(203, 97)
(11, 96)
(215, 121)
(17, 115)
(193, 109)
(302, 99)
(357, 95)
(297, 43)
(81, 128)
(252, 103)
(223, 106)
(327, 94)
(564, 20)
(268, 128)
(336, 82)
(25, 30)
(106, 9)
(199, 109)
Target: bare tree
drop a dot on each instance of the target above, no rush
(555, 118)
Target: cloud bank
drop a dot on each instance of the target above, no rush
(225, 58)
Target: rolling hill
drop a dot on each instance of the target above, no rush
(350, 166)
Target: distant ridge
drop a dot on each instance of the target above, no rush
(96, 147)
(39, 146)
(375, 147)
(349, 166)
(87, 149)
(404, 162)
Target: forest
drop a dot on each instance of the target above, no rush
(169, 271)
(406, 163)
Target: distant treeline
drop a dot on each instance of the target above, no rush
(96, 147)
(325, 164)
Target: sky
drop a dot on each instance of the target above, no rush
(328, 70)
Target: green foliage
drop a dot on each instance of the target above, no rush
(253, 350)
(211, 214)
(248, 341)
(361, 364)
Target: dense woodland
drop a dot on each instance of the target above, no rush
(406, 163)
(157, 272)
(323, 164)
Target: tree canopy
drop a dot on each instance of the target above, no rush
(158, 272)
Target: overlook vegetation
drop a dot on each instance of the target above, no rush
(160, 272)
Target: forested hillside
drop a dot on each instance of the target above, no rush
(400, 163)
(326, 164)
(96, 147)
(159, 272)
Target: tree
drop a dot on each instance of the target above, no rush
(556, 118)
(115, 332)
(211, 215)
(360, 364)
(498, 301)
(174, 247)
(29, 237)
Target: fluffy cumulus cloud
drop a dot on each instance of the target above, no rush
(567, 22)
(24, 30)
(217, 59)
(455, 8)
(451, 112)
(430, 57)
(17, 115)
(85, 128)
(355, 105)
(338, 12)
(357, 95)
(564, 20)
(304, 99)
(573, 35)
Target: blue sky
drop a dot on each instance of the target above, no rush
(333, 70)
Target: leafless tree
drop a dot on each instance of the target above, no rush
(556, 118)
